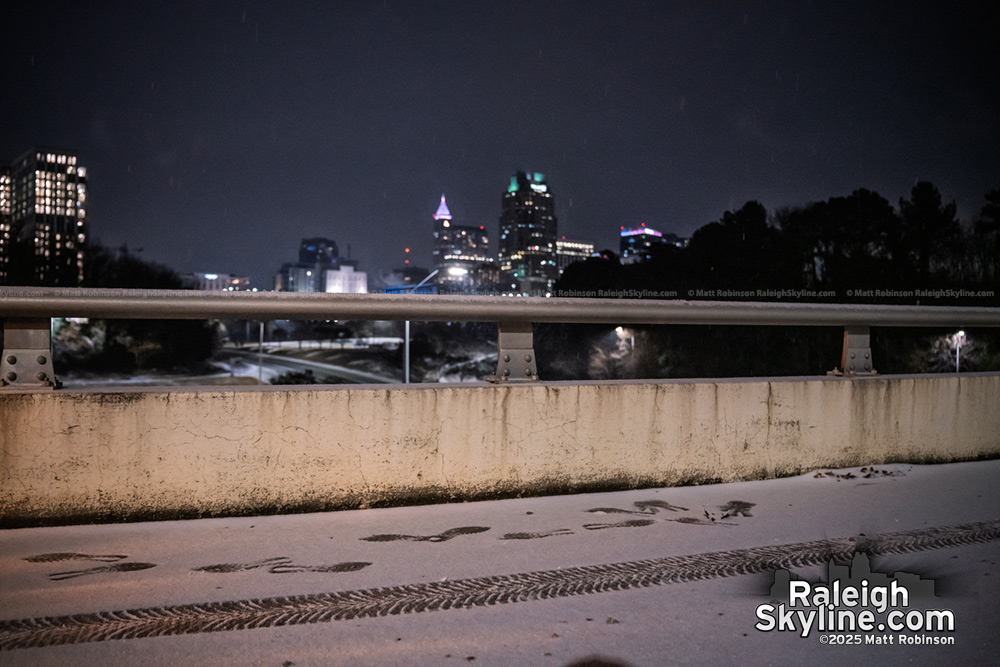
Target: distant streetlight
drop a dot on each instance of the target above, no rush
(406, 332)
(959, 339)
(624, 333)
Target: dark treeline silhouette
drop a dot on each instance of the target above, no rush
(126, 346)
(853, 249)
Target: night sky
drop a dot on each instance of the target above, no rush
(218, 134)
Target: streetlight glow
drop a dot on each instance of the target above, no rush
(959, 339)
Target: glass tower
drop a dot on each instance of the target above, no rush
(528, 231)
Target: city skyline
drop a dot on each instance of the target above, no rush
(219, 136)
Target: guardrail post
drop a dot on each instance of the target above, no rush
(856, 356)
(26, 361)
(515, 354)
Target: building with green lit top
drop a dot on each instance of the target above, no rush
(528, 233)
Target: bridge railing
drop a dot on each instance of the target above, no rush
(26, 362)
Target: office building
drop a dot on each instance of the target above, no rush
(43, 219)
(345, 280)
(318, 251)
(216, 282)
(528, 233)
(297, 278)
(637, 243)
(321, 269)
(568, 252)
(459, 250)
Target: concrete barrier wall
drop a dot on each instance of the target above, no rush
(153, 453)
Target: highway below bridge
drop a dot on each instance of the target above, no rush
(275, 365)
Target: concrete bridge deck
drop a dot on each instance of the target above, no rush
(643, 577)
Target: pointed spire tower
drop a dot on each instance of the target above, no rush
(442, 233)
(459, 250)
(442, 213)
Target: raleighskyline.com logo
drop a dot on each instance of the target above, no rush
(857, 606)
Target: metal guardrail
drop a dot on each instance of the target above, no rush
(34, 302)
(26, 311)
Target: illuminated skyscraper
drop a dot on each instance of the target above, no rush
(442, 233)
(459, 250)
(528, 236)
(43, 208)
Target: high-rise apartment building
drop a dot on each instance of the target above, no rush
(528, 236)
(43, 199)
(5, 220)
(459, 250)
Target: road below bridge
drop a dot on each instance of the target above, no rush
(274, 365)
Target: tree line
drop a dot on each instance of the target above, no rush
(127, 346)
(852, 249)
(844, 247)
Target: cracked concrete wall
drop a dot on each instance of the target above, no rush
(156, 453)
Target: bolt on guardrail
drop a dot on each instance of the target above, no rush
(27, 355)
